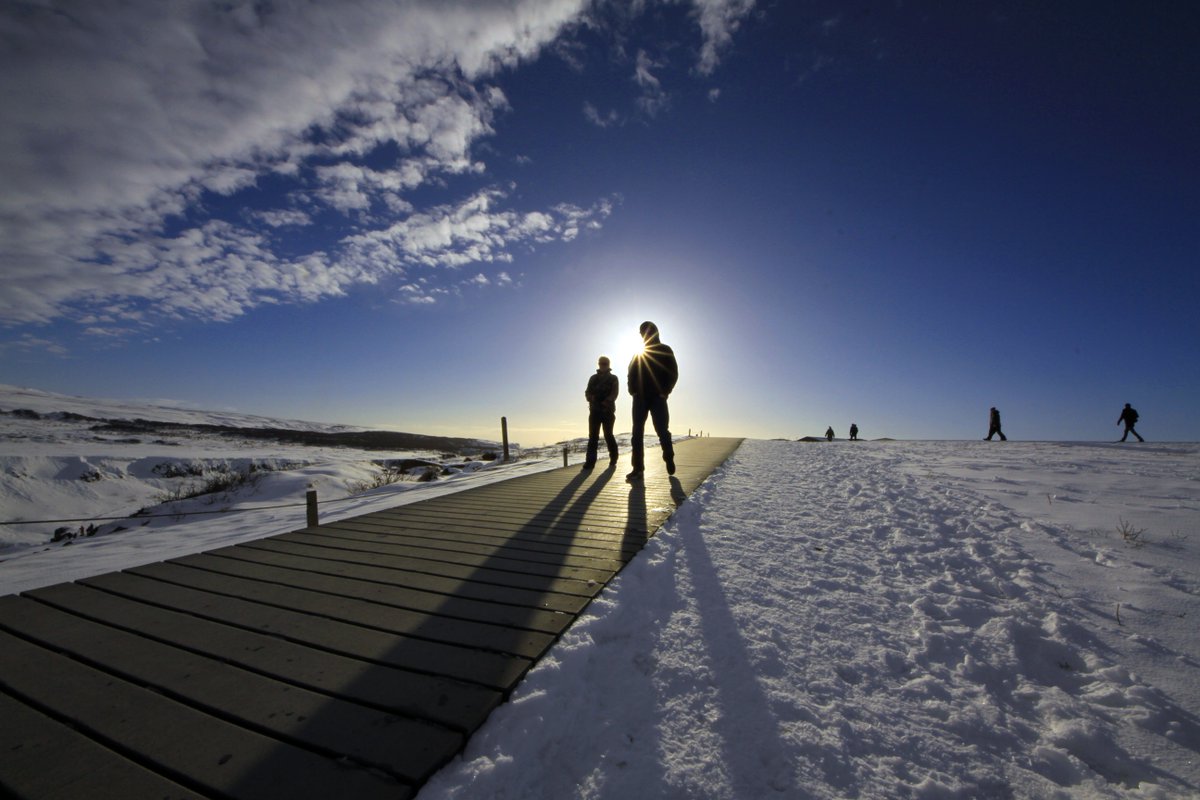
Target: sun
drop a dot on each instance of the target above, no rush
(623, 343)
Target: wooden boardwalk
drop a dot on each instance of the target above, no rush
(349, 660)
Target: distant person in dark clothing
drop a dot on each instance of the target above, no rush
(853, 432)
(601, 393)
(1129, 416)
(994, 425)
(829, 433)
(653, 374)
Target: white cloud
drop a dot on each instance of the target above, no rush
(281, 218)
(119, 115)
(593, 115)
(654, 99)
(718, 20)
(29, 343)
(133, 126)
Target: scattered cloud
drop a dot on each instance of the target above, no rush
(718, 20)
(606, 120)
(28, 343)
(654, 98)
(158, 158)
(283, 218)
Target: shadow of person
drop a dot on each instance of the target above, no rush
(677, 493)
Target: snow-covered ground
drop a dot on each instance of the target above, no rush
(904, 619)
(820, 620)
(55, 465)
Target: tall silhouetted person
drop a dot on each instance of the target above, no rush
(1129, 416)
(829, 434)
(994, 425)
(601, 393)
(853, 431)
(653, 374)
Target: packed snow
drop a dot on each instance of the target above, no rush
(904, 619)
(819, 620)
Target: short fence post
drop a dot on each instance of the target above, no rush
(564, 455)
(311, 502)
(504, 435)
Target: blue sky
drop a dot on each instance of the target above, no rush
(427, 215)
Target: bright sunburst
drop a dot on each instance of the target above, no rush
(624, 343)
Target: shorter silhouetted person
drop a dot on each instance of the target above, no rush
(994, 425)
(829, 433)
(601, 393)
(1129, 417)
(853, 432)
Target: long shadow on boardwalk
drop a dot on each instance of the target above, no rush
(521, 622)
(351, 659)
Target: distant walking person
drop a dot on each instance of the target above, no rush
(994, 425)
(1129, 416)
(653, 374)
(829, 434)
(601, 393)
(853, 432)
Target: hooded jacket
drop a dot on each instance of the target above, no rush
(654, 370)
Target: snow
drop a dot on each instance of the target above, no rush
(56, 468)
(905, 619)
(819, 620)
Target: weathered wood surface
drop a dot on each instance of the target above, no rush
(350, 660)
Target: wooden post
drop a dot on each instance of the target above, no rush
(504, 435)
(564, 455)
(311, 502)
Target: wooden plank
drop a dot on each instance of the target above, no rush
(497, 670)
(453, 703)
(494, 547)
(339, 728)
(368, 565)
(490, 623)
(511, 507)
(42, 757)
(381, 587)
(565, 539)
(584, 528)
(189, 746)
(523, 512)
(338, 536)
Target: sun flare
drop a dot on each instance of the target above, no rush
(621, 344)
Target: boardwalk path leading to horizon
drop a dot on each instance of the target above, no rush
(349, 660)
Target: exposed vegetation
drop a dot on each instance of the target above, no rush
(1134, 537)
